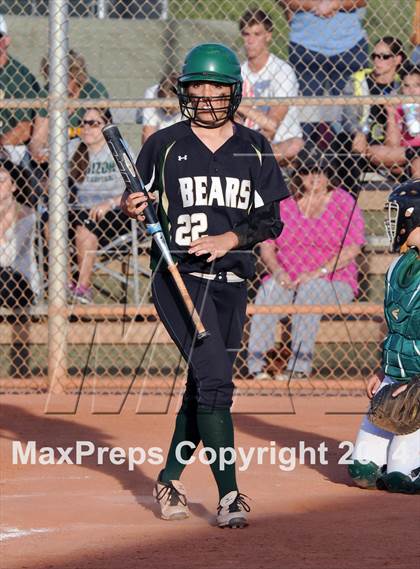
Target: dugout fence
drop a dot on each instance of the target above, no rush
(79, 55)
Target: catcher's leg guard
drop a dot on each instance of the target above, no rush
(399, 482)
(364, 474)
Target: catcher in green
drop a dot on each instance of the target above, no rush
(387, 449)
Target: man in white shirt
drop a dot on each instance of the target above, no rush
(265, 75)
(153, 118)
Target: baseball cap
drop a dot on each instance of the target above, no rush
(3, 26)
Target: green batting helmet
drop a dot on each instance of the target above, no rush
(212, 63)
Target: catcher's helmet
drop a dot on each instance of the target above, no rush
(210, 63)
(402, 213)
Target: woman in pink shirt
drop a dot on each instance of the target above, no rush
(312, 262)
(402, 143)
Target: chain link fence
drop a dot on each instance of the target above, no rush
(336, 90)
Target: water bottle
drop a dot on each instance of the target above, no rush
(366, 125)
(412, 118)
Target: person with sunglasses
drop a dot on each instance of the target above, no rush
(312, 262)
(81, 85)
(364, 125)
(401, 149)
(95, 215)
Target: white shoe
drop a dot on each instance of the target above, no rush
(231, 511)
(172, 499)
(288, 375)
(261, 376)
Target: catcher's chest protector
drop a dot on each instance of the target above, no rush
(401, 357)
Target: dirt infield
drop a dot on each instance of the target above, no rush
(102, 516)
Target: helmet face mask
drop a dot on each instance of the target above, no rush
(392, 210)
(213, 64)
(402, 213)
(193, 107)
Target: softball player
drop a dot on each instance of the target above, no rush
(219, 189)
(380, 458)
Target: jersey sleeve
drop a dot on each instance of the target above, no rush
(148, 162)
(270, 185)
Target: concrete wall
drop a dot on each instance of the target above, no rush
(126, 55)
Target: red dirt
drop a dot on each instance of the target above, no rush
(102, 517)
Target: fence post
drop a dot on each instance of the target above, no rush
(58, 176)
(101, 9)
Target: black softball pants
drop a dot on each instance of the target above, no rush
(222, 307)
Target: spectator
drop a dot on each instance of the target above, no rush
(415, 37)
(327, 44)
(312, 262)
(154, 119)
(95, 215)
(265, 75)
(365, 125)
(16, 81)
(80, 86)
(402, 139)
(19, 278)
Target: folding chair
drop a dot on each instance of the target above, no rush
(125, 248)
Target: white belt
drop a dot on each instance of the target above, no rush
(230, 277)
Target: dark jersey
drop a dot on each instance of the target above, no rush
(16, 81)
(378, 115)
(205, 193)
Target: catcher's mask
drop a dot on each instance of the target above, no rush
(402, 213)
(215, 64)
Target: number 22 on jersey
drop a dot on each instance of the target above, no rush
(190, 227)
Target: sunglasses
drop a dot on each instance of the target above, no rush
(383, 56)
(93, 124)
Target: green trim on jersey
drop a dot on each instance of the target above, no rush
(155, 254)
(258, 153)
(401, 350)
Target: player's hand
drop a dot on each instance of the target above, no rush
(134, 204)
(97, 212)
(215, 246)
(373, 385)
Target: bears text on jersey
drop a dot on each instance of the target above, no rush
(215, 191)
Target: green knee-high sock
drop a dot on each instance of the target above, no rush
(216, 430)
(186, 429)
